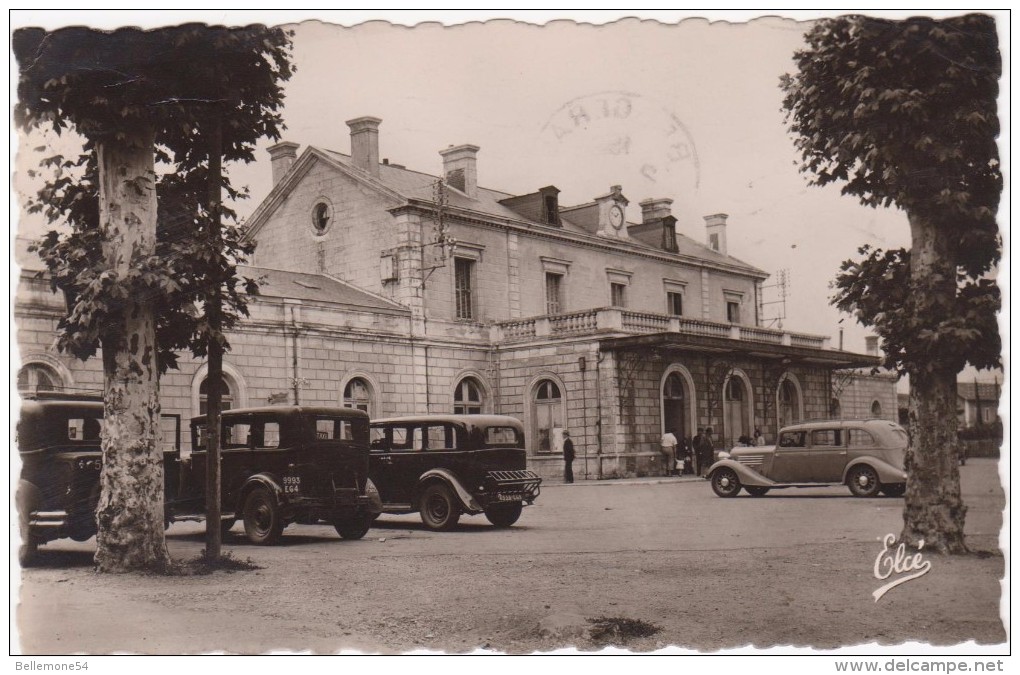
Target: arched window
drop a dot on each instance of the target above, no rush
(35, 377)
(547, 408)
(227, 395)
(789, 405)
(467, 397)
(358, 395)
(674, 409)
(736, 409)
(876, 409)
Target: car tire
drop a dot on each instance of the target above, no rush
(355, 528)
(225, 526)
(725, 482)
(263, 522)
(504, 515)
(439, 510)
(894, 489)
(756, 490)
(863, 481)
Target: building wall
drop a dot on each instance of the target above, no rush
(351, 247)
(863, 391)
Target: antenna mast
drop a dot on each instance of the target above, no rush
(782, 286)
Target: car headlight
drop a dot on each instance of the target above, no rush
(722, 455)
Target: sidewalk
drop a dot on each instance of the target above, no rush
(645, 480)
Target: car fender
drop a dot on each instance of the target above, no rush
(746, 475)
(467, 502)
(887, 473)
(266, 480)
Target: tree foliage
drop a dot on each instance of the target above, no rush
(904, 113)
(179, 81)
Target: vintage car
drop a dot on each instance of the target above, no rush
(865, 455)
(61, 460)
(445, 465)
(283, 465)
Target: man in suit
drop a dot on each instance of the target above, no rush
(696, 450)
(568, 458)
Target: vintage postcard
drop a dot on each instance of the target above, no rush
(523, 333)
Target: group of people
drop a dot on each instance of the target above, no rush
(691, 457)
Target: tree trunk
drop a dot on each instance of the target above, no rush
(130, 513)
(934, 511)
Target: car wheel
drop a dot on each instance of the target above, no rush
(263, 522)
(354, 529)
(894, 489)
(504, 515)
(725, 482)
(756, 490)
(863, 481)
(438, 509)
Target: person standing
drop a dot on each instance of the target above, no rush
(568, 458)
(696, 450)
(668, 448)
(708, 451)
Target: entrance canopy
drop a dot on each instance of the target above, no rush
(665, 343)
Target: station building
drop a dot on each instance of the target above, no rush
(401, 292)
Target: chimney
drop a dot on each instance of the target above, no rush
(871, 345)
(715, 227)
(282, 156)
(365, 143)
(460, 166)
(655, 209)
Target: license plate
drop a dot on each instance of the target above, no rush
(509, 498)
(292, 485)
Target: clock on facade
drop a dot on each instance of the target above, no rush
(616, 217)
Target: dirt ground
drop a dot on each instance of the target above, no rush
(794, 570)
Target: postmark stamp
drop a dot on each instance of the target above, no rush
(648, 138)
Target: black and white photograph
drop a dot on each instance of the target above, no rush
(494, 332)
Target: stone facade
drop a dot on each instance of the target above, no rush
(393, 291)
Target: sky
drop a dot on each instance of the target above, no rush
(688, 110)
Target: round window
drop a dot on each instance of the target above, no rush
(322, 216)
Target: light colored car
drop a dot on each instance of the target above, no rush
(865, 455)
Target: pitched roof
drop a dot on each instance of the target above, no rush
(417, 185)
(315, 288)
(972, 391)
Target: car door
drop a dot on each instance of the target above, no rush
(395, 461)
(791, 461)
(828, 455)
(236, 455)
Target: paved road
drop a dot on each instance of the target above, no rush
(710, 572)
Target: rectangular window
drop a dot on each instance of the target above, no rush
(675, 302)
(553, 303)
(733, 312)
(618, 295)
(236, 435)
(713, 241)
(463, 272)
(270, 435)
(826, 437)
(552, 215)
